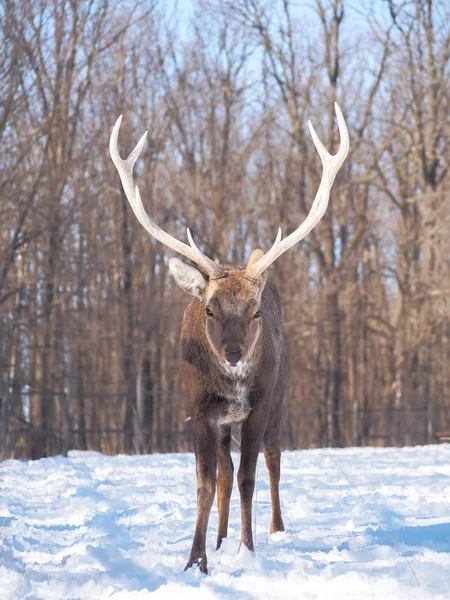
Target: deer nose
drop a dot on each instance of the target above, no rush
(233, 356)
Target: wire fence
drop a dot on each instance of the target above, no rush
(104, 428)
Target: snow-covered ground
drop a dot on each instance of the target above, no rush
(361, 523)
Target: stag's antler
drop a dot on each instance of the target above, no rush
(331, 165)
(125, 169)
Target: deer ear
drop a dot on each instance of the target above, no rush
(255, 256)
(188, 278)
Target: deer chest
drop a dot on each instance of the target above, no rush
(235, 405)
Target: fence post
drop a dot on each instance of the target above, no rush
(139, 415)
(4, 416)
(355, 422)
(67, 420)
(430, 436)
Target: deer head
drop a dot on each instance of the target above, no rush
(231, 297)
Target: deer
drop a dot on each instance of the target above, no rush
(233, 354)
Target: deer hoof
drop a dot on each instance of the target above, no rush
(277, 525)
(200, 562)
(248, 545)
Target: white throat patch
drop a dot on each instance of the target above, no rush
(237, 398)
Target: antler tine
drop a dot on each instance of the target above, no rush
(125, 169)
(331, 165)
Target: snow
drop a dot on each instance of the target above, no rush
(360, 523)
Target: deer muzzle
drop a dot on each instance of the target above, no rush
(233, 356)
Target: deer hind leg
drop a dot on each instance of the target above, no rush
(205, 447)
(272, 455)
(224, 482)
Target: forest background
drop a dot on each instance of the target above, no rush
(89, 315)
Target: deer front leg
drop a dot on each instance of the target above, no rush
(205, 447)
(252, 434)
(224, 482)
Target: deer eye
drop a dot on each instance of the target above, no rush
(257, 314)
(209, 312)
